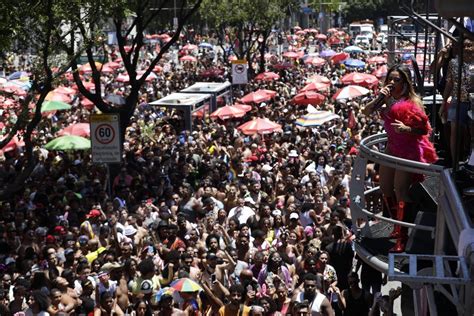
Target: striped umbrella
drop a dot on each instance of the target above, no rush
(186, 285)
(316, 119)
(350, 92)
(259, 126)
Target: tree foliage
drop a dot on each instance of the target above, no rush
(355, 10)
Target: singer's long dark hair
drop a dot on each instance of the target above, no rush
(408, 89)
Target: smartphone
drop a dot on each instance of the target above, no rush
(213, 278)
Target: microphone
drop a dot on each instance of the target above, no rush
(379, 101)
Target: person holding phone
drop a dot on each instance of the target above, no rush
(408, 128)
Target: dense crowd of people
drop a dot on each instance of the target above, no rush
(208, 222)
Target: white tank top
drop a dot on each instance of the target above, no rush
(315, 304)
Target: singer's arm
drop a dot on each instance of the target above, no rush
(369, 107)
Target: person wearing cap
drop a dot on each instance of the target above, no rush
(90, 227)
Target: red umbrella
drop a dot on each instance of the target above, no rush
(291, 55)
(321, 37)
(334, 40)
(357, 78)
(339, 57)
(312, 31)
(377, 60)
(381, 72)
(350, 92)
(78, 129)
(315, 61)
(283, 66)
(54, 96)
(318, 78)
(315, 86)
(332, 30)
(308, 97)
(200, 113)
(301, 32)
(112, 65)
(259, 126)
(212, 72)
(13, 144)
(243, 107)
(258, 96)
(13, 89)
(227, 112)
(267, 76)
(188, 58)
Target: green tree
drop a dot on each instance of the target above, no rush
(128, 17)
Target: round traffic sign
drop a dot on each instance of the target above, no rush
(239, 68)
(104, 133)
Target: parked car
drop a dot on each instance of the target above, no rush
(382, 38)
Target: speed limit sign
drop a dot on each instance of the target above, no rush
(105, 138)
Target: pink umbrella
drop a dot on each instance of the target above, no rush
(259, 126)
(188, 58)
(283, 66)
(13, 89)
(316, 86)
(350, 92)
(258, 96)
(190, 47)
(291, 55)
(65, 90)
(321, 37)
(377, 60)
(113, 65)
(315, 61)
(52, 96)
(301, 32)
(308, 97)
(232, 57)
(357, 78)
(88, 104)
(78, 129)
(243, 107)
(318, 78)
(123, 78)
(227, 112)
(339, 57)
(267, 76)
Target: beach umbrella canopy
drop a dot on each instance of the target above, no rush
(321, 37)
(190, 47)
(267, 76)
(61, 97)
(78, 129)
(353, 49)
(228, 112)
(244, 107)
(291, 55)
(206, 45)
(308, 97)
(65, 90)
(123, 78)
(350, 92)
(377, 60)
(185, 285)
(69, 142)
(354, 63)
(327, 53)
(212, 72)
(317, 118)
(315, 61)
(49, 106)
(281, 66)
(188, 58)
(86, 68)
(315, 86)
(357, 78)
(112, 64)
(339, 57)
(18, 75)
(258, 96)
(381, 71)
(259, 126)
(318, 78)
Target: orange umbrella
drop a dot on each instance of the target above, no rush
(78, 129)
(258, 96)
(308, 97)
(227, 112)
(267, 76)
(259, 126)
(315, 86)
(358, 78)
(54, 96)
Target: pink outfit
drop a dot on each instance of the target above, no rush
(408, 145)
